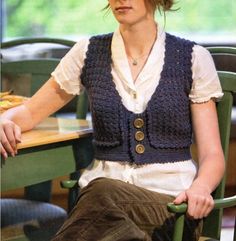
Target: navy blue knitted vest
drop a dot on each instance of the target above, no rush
(163, 132)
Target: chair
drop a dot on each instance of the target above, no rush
(212, 224)
(37, 195)
(225, 60)
(224, 57)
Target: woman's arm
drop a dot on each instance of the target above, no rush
(210, 159)
(49, 98)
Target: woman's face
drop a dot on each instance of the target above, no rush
(130, 12)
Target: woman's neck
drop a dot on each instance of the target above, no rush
(139, 39)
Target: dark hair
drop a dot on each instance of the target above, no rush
(161, 5)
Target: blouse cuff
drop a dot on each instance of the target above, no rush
(214, 96)
(66, 86)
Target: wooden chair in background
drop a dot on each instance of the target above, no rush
(224, 57)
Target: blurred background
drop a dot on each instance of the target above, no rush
(200, 20)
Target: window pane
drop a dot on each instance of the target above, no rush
(73, 18)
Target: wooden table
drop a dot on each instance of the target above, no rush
(55, 130)
(54, 148)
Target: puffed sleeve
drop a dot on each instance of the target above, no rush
(206, 84)
(67, 73)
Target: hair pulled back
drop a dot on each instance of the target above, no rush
(161, 5)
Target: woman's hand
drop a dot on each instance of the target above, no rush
(199, 199)
(10, 136)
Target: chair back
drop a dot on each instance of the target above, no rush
(39, 69)
(224, 57)
(212, 224)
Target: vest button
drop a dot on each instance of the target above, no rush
(138, 123)
(140, 148)
(139, 135)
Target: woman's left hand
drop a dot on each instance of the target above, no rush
(199, 199)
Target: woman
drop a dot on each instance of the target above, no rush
(147, 90)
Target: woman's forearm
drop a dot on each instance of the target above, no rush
(48, 99)
(209, 150)
(211, 171)
(21, 116)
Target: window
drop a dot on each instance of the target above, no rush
(196, 19)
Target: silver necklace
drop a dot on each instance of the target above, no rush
(134, 61)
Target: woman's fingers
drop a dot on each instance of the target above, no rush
(10, 143)
(6, 144)
(17, 134)
(3, 152)
(180, 198)
(199, 206)
(10, 136)
(207, 206)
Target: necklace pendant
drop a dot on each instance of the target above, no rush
(135, 62)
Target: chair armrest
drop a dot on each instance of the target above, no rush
(69, 184)
(218, 203)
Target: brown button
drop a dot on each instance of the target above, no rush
(139, 136)
(140, 148)
(138, 123)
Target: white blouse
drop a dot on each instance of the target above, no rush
(168, 178)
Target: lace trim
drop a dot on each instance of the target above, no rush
(216, 97)
(68, 91)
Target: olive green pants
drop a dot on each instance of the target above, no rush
(112, 210)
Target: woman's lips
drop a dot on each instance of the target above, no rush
(123, 9)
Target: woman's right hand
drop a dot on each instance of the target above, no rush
(10, 136)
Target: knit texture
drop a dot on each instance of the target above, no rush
(167, 122)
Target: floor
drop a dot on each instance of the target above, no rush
(228, 224)
(227, 234)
